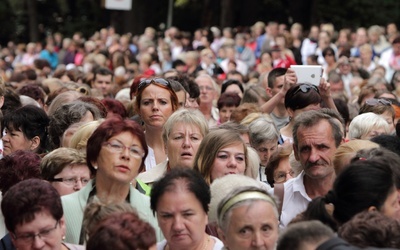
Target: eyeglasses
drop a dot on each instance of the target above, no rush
(281, 176)
(72, 181)
(374, 102)
(117, 147)
(305, 88)
(146, 82)
(207, 88)
(29, 238)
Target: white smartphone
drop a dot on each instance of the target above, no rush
(308, 73)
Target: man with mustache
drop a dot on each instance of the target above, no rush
(316, 137)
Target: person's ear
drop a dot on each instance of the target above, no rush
(269, 91)
(221, 236)
(35, 143)
(372, 209)
(290, 112)
(295, 152)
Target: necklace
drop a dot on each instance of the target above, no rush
(204, 248)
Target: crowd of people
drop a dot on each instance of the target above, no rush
(208, 140)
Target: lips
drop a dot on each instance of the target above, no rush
(123, 168)
(186, 154)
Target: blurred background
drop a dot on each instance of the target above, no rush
(33, 20)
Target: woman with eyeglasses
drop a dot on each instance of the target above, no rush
(155, 102)
(66, 170)
(303, 97)
(35, 221)
(115, 155)
(278, 170)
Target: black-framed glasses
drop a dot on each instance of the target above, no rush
(29, 238)
(305, 88)
(72, 181)
(147, 82)
(380, 101)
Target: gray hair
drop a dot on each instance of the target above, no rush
(186, 116)
(310, 118)
(362, 124)
(262, 130)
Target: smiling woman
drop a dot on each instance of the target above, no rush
(115, 154)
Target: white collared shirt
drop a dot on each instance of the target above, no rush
(295, 199)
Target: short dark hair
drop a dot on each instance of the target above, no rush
(295, 98)
(109, 128)
(18, 166)
(102, 71)
(193, 181)
(33, 196)
(371, 229)
(304, 232)
(230, 82)
(228, 99)
(123, 230)
(274, 74)
(31, 121)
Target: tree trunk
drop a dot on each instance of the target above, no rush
(33, 22)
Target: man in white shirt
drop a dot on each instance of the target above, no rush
(316, 137)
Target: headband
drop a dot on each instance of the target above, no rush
(248, 195)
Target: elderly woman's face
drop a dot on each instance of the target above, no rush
(182, 219)
(229, 160)
(50, 233)
(265, 150)
(120, 158)
(71, 179)
(155, 106)
(14, 140)
(182, 145)
(252, 226)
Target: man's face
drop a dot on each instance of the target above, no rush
(278, 84)
(315, 150)
(103, 83)
(396, 49)
(207, 91)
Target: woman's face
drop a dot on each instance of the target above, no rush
(114, 166)
(50, 230)
(266, 150)
(225, 113)
(391, 207)
(233, 88)
(252, 226)
(181, 218)
(229, 160)
(283, 172)
(14, 140)
(155, 106)
(74, 178)
(182, 145)
(375, 131)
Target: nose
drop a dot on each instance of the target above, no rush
(232, 163)
(125, 153)
(314, 156)
(155, 105)
(186, 142)
(78, 185)
(257, 240)
(38, 243)
(178, 224)
(288, 176)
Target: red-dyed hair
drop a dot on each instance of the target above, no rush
(115, 107)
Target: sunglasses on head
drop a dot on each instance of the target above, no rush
(374, 102)
(305, 88)
(146, 82)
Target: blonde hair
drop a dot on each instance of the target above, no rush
(79, 139)
(212, 143)
(348, 150)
